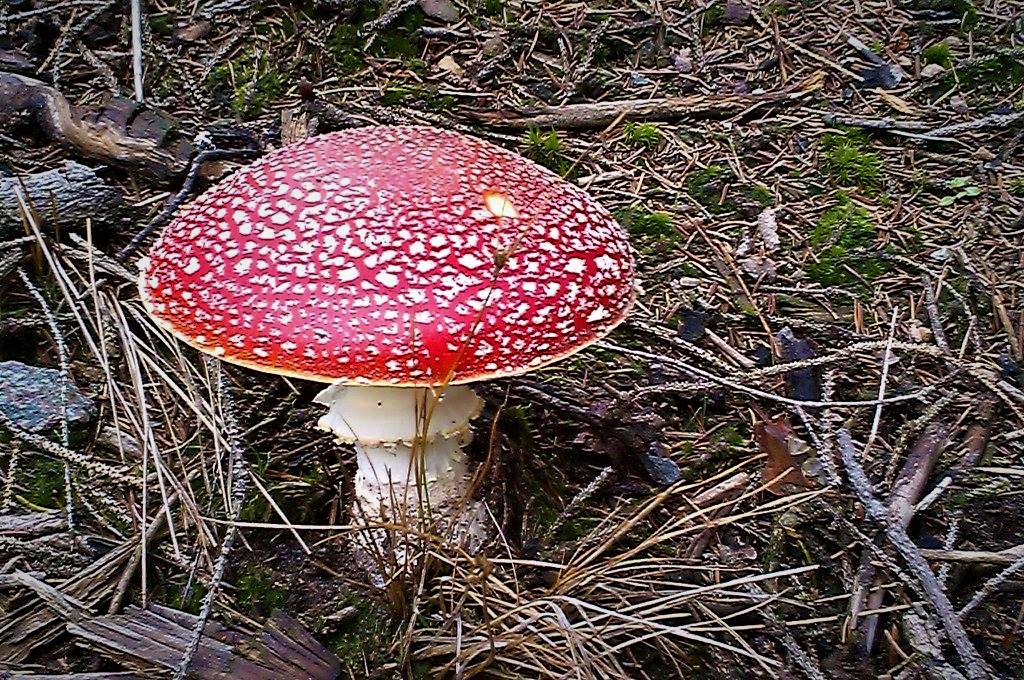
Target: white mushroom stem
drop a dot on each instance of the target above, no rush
(408, 443)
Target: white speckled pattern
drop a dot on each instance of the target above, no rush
(391, 255)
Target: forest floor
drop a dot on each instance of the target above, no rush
(802, 455)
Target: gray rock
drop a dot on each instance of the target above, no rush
(30, 396)
(662, 471)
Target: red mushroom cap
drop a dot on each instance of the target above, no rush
(391, 255)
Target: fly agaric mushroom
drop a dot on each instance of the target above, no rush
(398, 264)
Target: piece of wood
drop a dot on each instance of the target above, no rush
(1001, 558)
(602, 114)
(64, 197)
(33, 523)
(159, 636)
(103, 134)
(30, 626)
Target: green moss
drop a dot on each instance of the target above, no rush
(401, 39)
(257, 83)
(705, 186)
(366, 635)
(256, 509)
(416, 65)
(847, 162)
(190, 600)
(776, 9)
(494, 8)
(546, 148)
(347, 43)
(730, 434)
(345, 46)
(424, 97)
(645, 135)
(761, 194)
(938, 53)
(1017, 188)
(542, 514)
(712, 18)
(964, 9)
(644, 224)
(839, 239)
(1001, 73)
(160, 24)
(44, 481)
(574, 529)
(254, 587)
(515, 423)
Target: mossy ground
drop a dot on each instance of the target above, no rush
(846, 158)
(545, 147)
(842, 244)
(706, 187)
(644, 135)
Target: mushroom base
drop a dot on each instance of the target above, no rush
(411, 464)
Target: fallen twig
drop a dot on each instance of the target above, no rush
(180, 197)
(978, 435)
(602, 114)
(1005, 557)
(907, 489)
(974, 664)
(992, 585)
(239, 485)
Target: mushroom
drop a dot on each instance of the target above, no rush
(398, 264)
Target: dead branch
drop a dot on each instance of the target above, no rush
(158, 636)
(996, 120)
(32, 524)
(105, 138)
(602, 114)
(721, 494)
(978, 435)
(974, 664)
(992, 585)
(906, 491)
(885, 123)
(922, 131)
(172, 204)
(239, 485)
(28, 627)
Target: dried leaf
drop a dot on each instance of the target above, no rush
(194, 32)
(759, 268)
(786, 453)
(448, 63)
(802, 383)
(884, 76)
(692, 324)
(895, 102)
